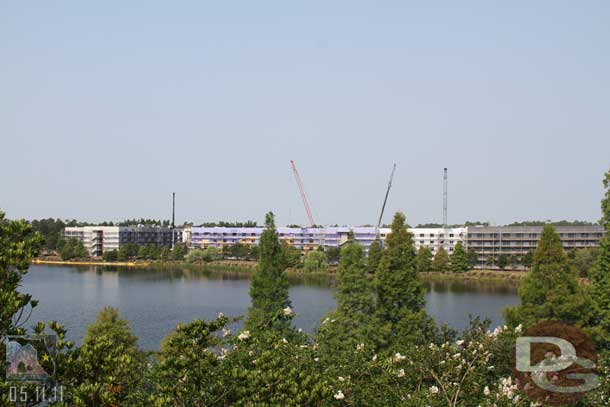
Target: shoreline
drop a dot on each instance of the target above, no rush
(243, 266)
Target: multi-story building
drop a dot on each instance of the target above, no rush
(306, 239)
(100, 239)
(493, 241)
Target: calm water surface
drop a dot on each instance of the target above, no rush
(155, 301)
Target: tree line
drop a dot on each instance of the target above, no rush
(379, 347)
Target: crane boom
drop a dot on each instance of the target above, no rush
(387, 192)
(302, 193)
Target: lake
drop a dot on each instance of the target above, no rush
(154, 301)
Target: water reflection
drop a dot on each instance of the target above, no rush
(155, 300)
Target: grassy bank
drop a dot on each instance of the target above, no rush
(478, 275)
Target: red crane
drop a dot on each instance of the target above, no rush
(302, 192)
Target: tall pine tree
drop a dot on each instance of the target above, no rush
(600, 277)
(269, 287)
(459, 259)
(353, 322)
(551, 290)
(400, 294)
(440, 264)
(374, 256)
(424, 259)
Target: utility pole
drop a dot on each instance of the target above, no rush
(173, 219)
(445, 199)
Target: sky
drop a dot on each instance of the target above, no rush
(106, 108)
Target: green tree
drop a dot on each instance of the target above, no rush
(269, 286)
(142, 252)
(292, 255)
(459, 259)
(528, 259)
(80, 251)
(583, 260)
(110, 365)
(353, 322)
(600, 276)
(315, 261)
(550, 291)
(111, 255)
(334, 254)
(473, 258)
(179, 251)
(67, 251)
(400, 294)
(195, 255)
(502, 261)
(374, 256)
(253, 253)
(165, 253)
(18, 245)
(440, 264)
(424, 259)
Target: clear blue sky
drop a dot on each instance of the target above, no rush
(107, 107)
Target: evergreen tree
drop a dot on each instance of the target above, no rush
(459, 259)
(440, 264)
(179, 251)
(110, 366)
(503, 261)
(600, 276)
(292, 255)
(400, 294)
(354, 291)
(551, 290)
(67, 251)
(374, 256)
(473, 258)
(528, 259)
(352, 323)
(269, 287)
(424, 259)
(165, 253)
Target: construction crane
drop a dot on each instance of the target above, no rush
(297, 177)
(385, 200)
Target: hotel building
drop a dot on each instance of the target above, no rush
(493, 241)
(100, 239)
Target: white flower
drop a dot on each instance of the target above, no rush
(339, 395)
(244, 335)
(360, 347)
(459, 343)
(316, 359)
(284, 340)
(374, 357)
(519, 328)
(341, 378)
(287, 311)
(398, 357)
(226, 332)
(325, 321)
(434, 390)
(486, 391)
(220, 315)
(401, 373)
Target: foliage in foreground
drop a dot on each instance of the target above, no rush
(378, 348)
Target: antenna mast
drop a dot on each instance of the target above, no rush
(173, 219)
(445, 198)
(297, 177)
(387, 192)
